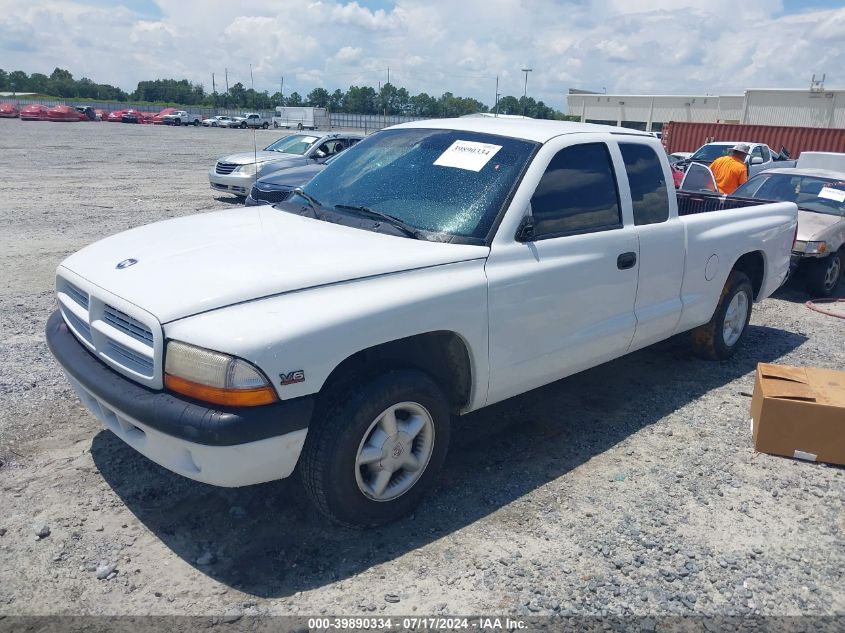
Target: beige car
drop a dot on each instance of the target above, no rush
(817, 186)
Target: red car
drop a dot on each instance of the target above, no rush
(67, 114)
(101, 114)
(9, 111)
(157, 119)
(116, 116)
(34, 112)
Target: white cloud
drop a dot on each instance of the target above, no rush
(659, 46)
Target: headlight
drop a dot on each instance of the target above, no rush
(248, 169)
(815, 248)
(215, 377)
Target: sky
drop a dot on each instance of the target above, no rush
(434, 46)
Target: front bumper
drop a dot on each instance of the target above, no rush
(235, 183)
(222, 446)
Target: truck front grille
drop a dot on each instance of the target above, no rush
(273, 196)
(126, 323)
(129, 340)
(224, 169)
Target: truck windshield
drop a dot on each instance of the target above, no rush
(440, 181)
(709, 153)
(294, 144)
(812, 193)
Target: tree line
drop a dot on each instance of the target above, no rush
(355, 100)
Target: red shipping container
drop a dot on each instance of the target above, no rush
(688, 137)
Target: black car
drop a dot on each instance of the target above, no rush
(279, 185)
(131, 116)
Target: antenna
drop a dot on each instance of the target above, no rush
(254, 128)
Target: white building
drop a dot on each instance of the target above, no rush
(806, 108)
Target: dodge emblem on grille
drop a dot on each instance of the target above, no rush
(126, 263)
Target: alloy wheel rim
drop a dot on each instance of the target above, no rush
(831, 276)
(394, 451)
(735, 319)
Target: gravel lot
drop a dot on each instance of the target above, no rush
(628, 489)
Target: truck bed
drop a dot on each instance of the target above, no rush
(691, 203)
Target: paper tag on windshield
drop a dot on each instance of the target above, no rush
(832, 194)
(467, 155)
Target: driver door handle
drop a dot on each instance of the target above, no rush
(626, 260)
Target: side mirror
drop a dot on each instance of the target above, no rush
(525, 232)
(757, 160)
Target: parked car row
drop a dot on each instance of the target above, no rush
(168, 116)
(238, 173)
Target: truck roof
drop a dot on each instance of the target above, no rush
(538, 130)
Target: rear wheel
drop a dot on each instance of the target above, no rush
(299, 126)
(825, 274)
(265, 125)
(276, 124)
(196, 122)
(378, 449)
(720, 337)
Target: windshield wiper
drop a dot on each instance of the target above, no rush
(403, 226)
(312, 202)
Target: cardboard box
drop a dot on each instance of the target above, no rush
(799, 412)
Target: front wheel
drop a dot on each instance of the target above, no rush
(373, 454)
(177, 122)
(824, 274)
(299, 126)
(276, 125)
(720, 337)
(196, 123)
(243, 125)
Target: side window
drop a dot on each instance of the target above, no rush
(648, 185)
(767, 156)
(757, 153)
(577, 194)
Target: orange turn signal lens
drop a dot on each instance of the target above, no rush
(217, 395)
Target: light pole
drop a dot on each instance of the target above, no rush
(525, 92)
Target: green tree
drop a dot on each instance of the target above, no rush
(4, 80)
(294, 99)
(18, 81)
(336, 101)
(319, 98)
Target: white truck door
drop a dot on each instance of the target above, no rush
(563, 300)
(661, 240)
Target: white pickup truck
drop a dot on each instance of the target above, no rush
(432, 269)
(181, 117)
(250, 119)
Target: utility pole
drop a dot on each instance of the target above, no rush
(226, 98)
(496, 106)
(214, 92)
(282, 92)
(525, 92)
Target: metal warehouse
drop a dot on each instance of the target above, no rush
(815, 107)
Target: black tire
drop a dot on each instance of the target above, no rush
(265, 125)
(275, 125)
(708, 340)
(299, 126)
(243, 125)
(825, 274)
(328, 462)
(196, 123)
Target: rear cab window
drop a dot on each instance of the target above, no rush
(649, 194)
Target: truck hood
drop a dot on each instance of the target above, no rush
(815, 227)
(202, 262)
(245, 158)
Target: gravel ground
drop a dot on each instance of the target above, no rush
(632, 488)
